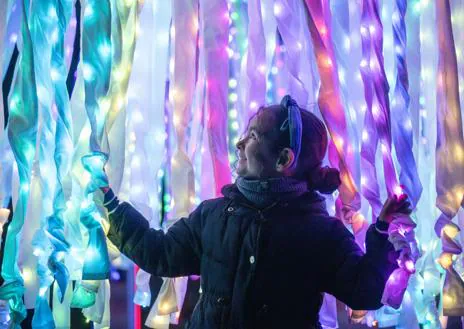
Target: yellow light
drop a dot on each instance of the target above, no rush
(119, 74)
(323, 30)
(450, 230)
(328, 62)
(458, 152)
(445, 260)
(27, 274)
(448, 300)
(339, 142)
(164, 307)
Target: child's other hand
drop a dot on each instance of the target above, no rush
(395, 205)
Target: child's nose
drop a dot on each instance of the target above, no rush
(240, 143)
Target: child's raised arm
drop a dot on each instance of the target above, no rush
(174, 253)
(356, 278)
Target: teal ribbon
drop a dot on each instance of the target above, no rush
(97, 262)
(96, 34)
(63, 153)
(22, 131)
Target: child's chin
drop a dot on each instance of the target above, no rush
(240, 171)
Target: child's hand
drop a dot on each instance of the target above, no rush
(395, 205)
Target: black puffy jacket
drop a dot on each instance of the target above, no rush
(263, 268)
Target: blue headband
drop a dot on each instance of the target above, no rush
(294, 125)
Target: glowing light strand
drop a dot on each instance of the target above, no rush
(22, 129)
(449, 148)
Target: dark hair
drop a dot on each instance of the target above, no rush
(314, 143)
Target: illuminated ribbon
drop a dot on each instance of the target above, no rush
(457, 18)
(214, 25)
(291, 25)
(402, 124)
(22, 130)
(253, 82)
(165, 304)
(381, 106)
(44, 36)
(4, 15)
(146, 99)
(330, 103)
(370, 138)
(96, 20)
(63, 148)
(401, 235)
(449, 153)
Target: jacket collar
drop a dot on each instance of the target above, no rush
(310, 201)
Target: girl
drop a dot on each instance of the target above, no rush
(267, 250)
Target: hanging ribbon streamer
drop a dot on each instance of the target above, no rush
(449, 156)
(124, 31)
(402, 125)
(292, 26)
(330, 104)
(96, 70)
(165, 304)
(253, 84)
(427, 273)
(370, 138)
(4, 15)
(401, 235)
(99, 312)
(22, 130)
(214, 23)
(61, 308)
(380, 106)
(7, 21)
(377, 119)
(63, 147)
(270, 36)
(146, 98)
(237, 50)
(44, 16)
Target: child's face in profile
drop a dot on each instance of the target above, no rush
(256, 160)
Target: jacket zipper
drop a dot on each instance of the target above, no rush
(258, 237)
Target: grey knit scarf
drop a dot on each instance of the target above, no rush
(266, 191)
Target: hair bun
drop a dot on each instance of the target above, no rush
(325, 180)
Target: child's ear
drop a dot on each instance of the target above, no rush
(285, 159)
